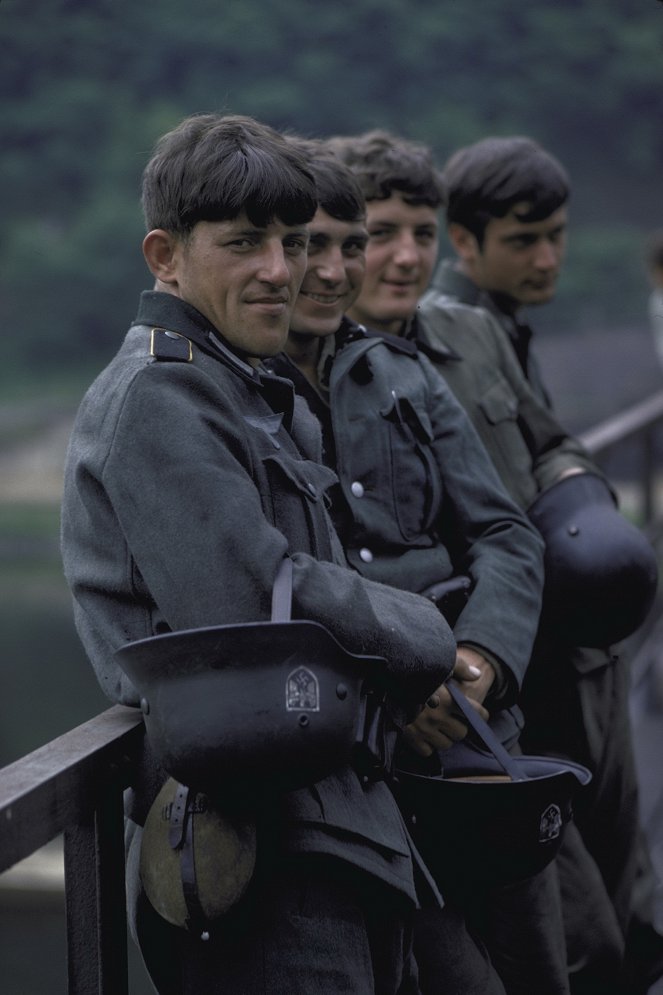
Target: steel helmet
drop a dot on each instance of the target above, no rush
(600, 570)
(486, 818)
(251, 708)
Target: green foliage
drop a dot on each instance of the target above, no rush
(90, 84)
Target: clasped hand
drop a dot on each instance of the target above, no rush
(438, 725)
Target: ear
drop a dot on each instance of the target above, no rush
(161, 250)
(464, 242)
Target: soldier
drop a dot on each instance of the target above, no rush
(192, 474)
(417, 504)
(507, 218)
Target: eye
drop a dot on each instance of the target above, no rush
(380, 234)
(523, 241)
(316, 244)
(354, 248)
(241, 242)
(426, 235)
(294, 245)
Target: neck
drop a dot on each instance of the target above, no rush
(304, 351)
(505, 304)
(390, 326)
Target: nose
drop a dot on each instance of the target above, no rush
(330, 267)
(273, 265)
(547, 255)
(406, 252)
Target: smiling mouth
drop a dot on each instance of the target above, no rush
(321, 298)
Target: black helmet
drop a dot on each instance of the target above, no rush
(600, 570)
(486, 818)
(246, 708)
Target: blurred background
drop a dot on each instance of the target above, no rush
(87, 88)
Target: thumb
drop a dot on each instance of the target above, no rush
(465, 671)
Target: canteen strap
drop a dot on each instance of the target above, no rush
(181, 838)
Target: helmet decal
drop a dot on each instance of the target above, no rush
(302, 691)
(550, 825)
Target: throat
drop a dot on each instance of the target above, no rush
(304, 351)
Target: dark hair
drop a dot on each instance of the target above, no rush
(384, 163)
(486, 179)
(213, 167)
(339, 193)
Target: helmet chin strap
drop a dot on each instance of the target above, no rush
(486, 734)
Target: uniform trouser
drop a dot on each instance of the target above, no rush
(577, 710)
(521, 934)
(304, 927)
(312, 929)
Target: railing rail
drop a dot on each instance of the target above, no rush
(641, 422)
(74, 785)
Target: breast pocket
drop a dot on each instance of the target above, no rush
(298, 503)
(414, 475)
(505, 439)
(499, 403)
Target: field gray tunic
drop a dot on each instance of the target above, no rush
(189, 476)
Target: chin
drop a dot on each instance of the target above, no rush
(539, 299)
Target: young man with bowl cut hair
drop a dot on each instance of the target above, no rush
(192, 475)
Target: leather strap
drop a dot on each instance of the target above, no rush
(181, 837)
(486, 734)
(197, 920)
(282, 592)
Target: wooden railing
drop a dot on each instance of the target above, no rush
(73, 785)
(639, 425)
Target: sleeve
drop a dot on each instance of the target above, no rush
(490, 539)
(552, 450)
(182, 481)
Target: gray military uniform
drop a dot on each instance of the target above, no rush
(189, 476)
(575, 699)
(424, 502)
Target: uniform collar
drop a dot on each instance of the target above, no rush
(448, 279)
(437, 351)
(170, 312)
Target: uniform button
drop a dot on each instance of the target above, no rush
(311, 489)
(357, 488)
(365, 555)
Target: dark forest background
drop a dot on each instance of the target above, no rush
(86, 88)
(88, 85)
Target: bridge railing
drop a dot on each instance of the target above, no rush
(639, 427)
(73, 786)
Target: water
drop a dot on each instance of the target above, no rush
(48, 687)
